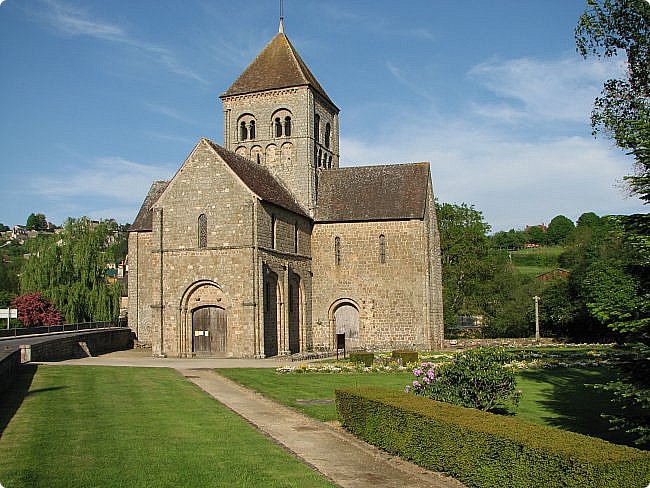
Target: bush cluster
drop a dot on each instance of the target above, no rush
(362, 357)
(476, 379)
(486, 450)
(406, 356)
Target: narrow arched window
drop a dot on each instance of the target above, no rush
(252, 130)
(337, 250)
(295, 237)
(243, 131)
(382, 248)
(328, 130)
(287, 126)
(320, 158)
(278, 127)
(273, 231)
(317, 128)
(203, 231)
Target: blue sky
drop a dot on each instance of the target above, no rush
(98, 99)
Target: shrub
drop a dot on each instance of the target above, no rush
(486, 450)
(476, 379)
(406, 356)
(362, 357)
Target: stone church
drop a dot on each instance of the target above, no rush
(265, 246)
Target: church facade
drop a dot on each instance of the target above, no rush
(265, 246)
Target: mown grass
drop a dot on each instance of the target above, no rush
(290, 388)
(553, 397)
(132, 427)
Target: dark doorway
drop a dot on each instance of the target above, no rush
(294, 313)
(209, 330)
(270, 313)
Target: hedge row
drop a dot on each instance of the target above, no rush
(364, 357)
(486, 450)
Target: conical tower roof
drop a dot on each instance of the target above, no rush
(277, 66)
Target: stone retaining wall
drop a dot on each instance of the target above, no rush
(9, 364)
(61, 348)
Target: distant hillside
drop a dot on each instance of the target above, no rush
(535, 261)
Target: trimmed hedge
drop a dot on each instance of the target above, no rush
(364, 357)
(405, 356)
(485, 450)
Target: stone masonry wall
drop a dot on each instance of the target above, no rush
(393, 298)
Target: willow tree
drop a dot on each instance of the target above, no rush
(69, 269)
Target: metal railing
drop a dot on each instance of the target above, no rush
(47, 329)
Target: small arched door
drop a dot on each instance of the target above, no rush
(346, 319)
(209, 331)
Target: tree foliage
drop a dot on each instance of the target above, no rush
(70, 270)
(36, 222)
(605, 29)
(34, 310)
(559, 230)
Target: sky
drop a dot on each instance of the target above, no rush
(98, 99)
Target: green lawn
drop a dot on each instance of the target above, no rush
(290, 388)
(64, 426)
(553, 397)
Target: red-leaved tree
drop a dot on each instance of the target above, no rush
(35, 310)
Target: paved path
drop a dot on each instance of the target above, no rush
(344, 459)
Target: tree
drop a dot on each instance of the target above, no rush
(34, 310)
(70, 270)
(464, 252)
(36, 222)
(535, 235)
(4, 228)
(513, 239)
(588, 219)
(559, 230)
(605, 29)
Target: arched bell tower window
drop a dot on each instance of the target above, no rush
(281, 123)
(328, 130)
(317, 128)
(203, 231)
(246, 127)
(287, 126)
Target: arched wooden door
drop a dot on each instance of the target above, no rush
(209, 331)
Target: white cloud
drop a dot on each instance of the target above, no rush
(556, 89)
(126, 182)
(72, 21)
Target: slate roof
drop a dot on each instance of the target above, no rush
(278, 66)
(367, 193)
(144, 219)
(258, 179)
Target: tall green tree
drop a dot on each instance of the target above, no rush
(69, 269)
(559, 230)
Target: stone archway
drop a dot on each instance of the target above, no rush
(203, 321)
(344, 318)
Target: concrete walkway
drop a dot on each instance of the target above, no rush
(341, 457)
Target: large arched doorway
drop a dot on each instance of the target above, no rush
(209, 331)
(346, 321)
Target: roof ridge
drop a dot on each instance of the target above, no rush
(383, 165)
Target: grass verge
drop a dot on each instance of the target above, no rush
(123, 427)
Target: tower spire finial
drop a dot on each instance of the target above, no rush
(281, 28)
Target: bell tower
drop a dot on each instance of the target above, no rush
(278, 115)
